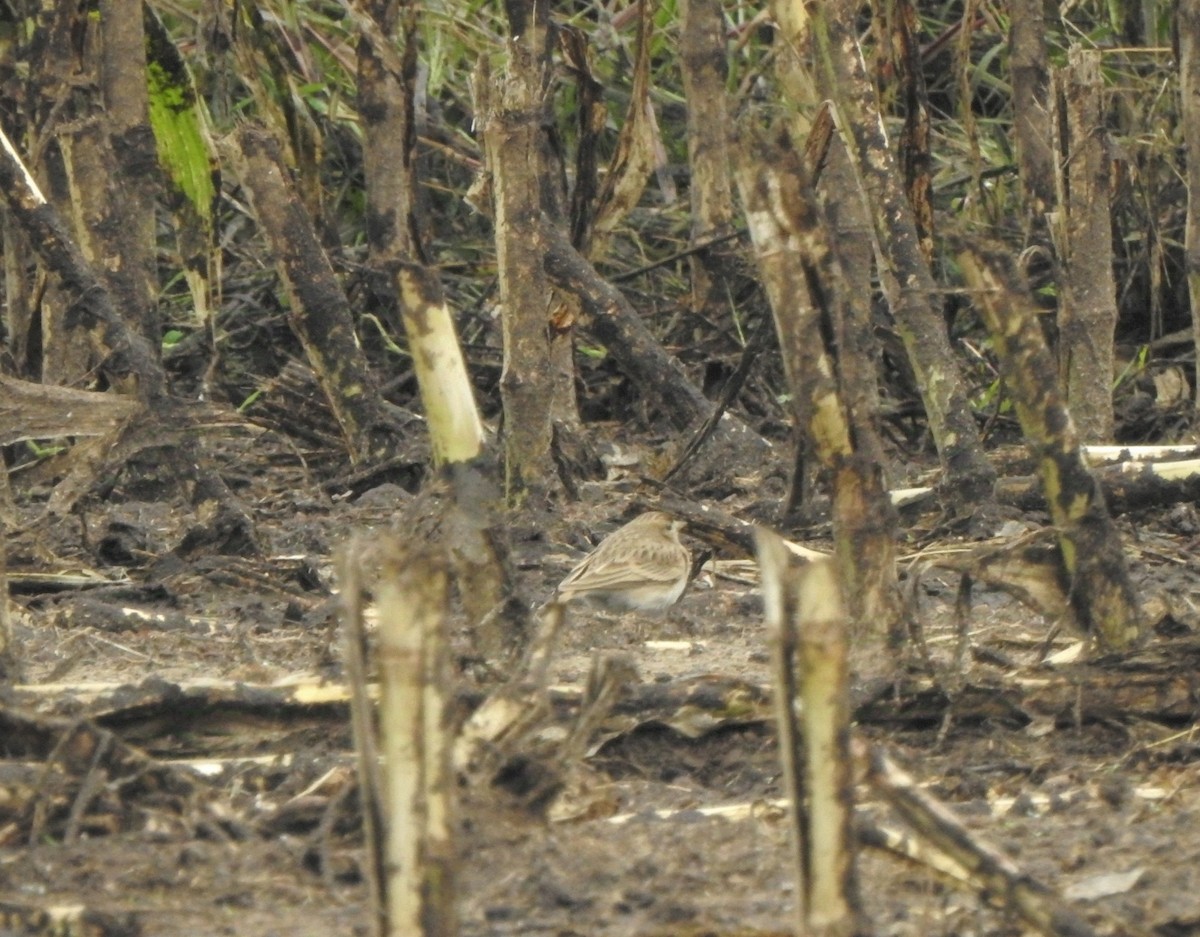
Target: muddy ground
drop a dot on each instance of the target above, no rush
(1103, 810)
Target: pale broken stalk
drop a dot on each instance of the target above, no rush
(420, 869)
(455, 430)
(470, 524)
(809, 649)
(825, 719)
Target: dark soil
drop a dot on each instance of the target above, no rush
(1105, 811)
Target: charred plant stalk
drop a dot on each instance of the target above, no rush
(514, 112)
(634, 157)
(849, 226)
(474, 539)
(705, 69)
(1188, 30)
(907, 280)
(421, 867)
(1087, 315)
(904, 38)
(1031, 109)
(1102, 597)
(809, 297)
(129, 196)
(320, 312)
(20, 311)
(992, 871)
(128, 353)
(46, 411)
(387, 60)
(106, 174)
(828, 164)
(616, 324)
(66, 152)
(129, 359)
(613, 321)
(385, 88)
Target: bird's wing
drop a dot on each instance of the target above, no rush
(662, 561)
(603, 572)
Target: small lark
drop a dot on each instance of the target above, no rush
(642, 566)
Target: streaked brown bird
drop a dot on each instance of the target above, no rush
(643, 566)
